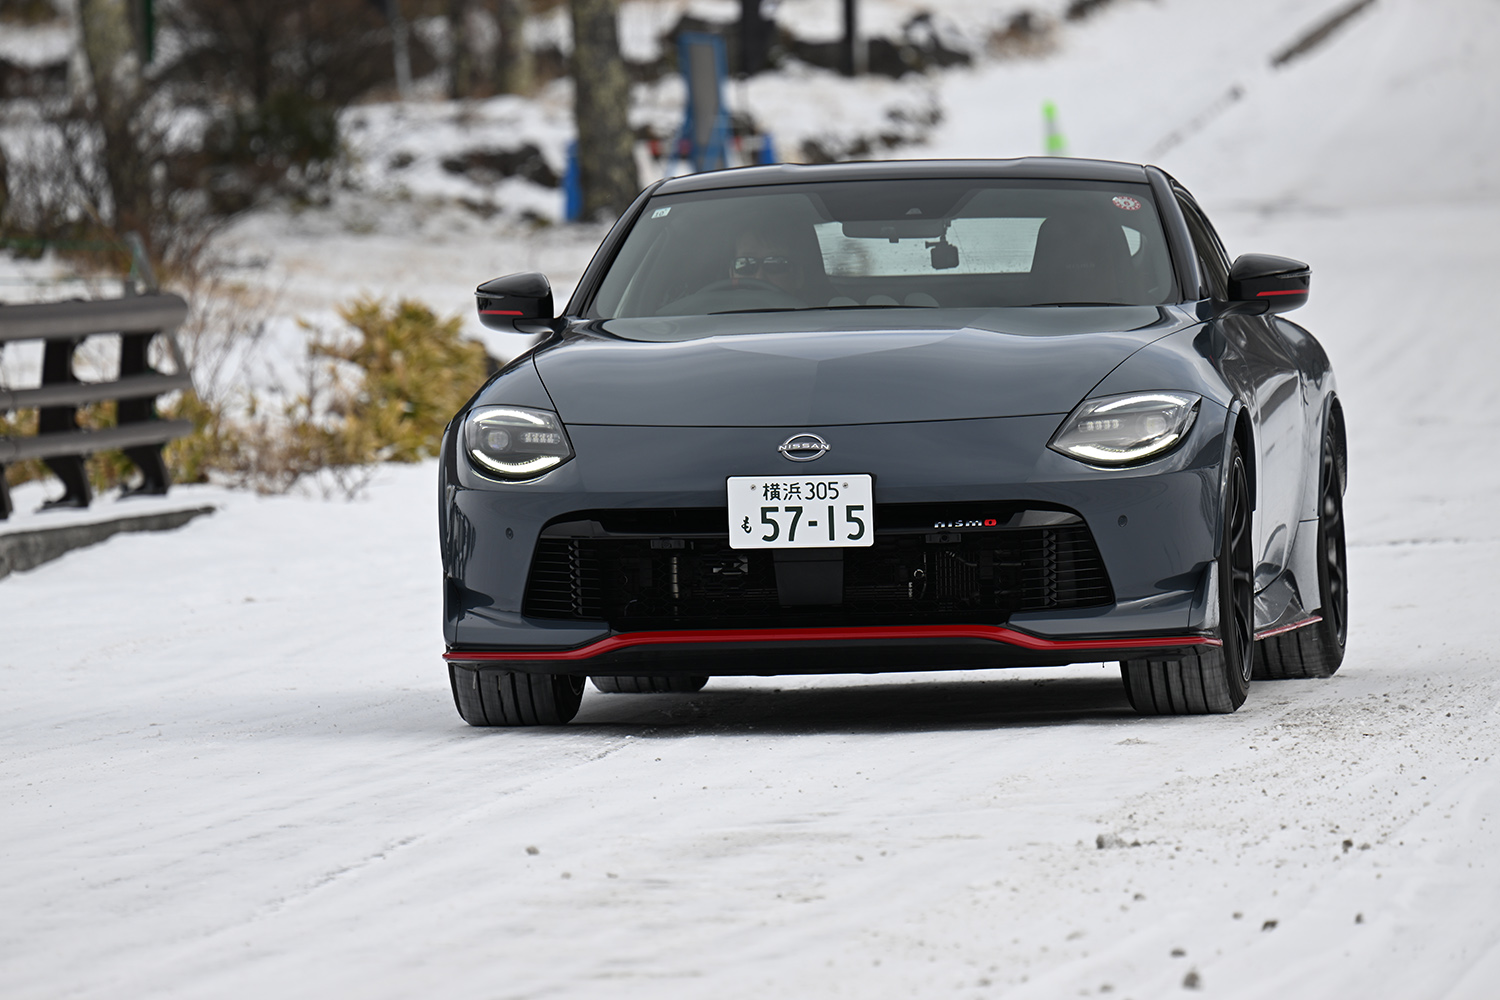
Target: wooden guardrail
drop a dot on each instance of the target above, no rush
(59, 441)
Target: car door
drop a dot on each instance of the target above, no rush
(1260, 366)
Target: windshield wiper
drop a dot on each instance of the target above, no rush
(857, 305)
(865, 305)
(1029, 304)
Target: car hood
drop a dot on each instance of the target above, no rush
(825, 367)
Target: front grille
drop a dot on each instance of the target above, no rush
(565, 580)
(691, 578)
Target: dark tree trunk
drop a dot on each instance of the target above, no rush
(460, 59)
(754, 37)
(601, 102)
(849, 60)
(109, 47)
(400, 48)
(260, 64)
(513, 70)
(4, 200)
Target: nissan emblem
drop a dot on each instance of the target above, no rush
(803, 447)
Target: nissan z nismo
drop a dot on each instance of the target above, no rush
(898, 416)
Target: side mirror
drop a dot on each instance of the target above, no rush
(1280, 283)
(504, 301)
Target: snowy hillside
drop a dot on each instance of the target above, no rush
(230, 765)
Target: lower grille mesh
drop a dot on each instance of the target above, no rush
(917, 576)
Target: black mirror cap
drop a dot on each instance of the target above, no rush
(1279, 283)
(504, 301)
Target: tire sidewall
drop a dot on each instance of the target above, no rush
(1238, 654)
(1335, 636)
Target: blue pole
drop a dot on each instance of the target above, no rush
(572, 186)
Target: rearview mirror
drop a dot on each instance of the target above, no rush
(504, 301)
(896, 230)
(1280, 283)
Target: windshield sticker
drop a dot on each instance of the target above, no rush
(1127, 203)
(663, 211)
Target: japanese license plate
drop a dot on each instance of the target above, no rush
(803, 512)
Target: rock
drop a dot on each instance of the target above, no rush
(490, 166)
(1105, 841)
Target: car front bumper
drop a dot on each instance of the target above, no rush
(1156, 527)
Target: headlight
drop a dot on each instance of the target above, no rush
(1116, 430)
(515, 442)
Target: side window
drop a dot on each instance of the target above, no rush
(1212, 260)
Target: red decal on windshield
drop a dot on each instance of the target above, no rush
(1126, 202)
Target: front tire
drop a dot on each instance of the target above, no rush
(1317, 650)
(1208, 680)
(508, 698)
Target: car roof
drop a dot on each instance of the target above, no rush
(1021, 168)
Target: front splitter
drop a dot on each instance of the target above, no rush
(858, 649)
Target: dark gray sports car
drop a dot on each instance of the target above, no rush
(898, 416)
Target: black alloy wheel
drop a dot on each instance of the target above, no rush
(1238, 571)
(1211, 680)
(510, 698)
(1333, 577)
(1317, 650)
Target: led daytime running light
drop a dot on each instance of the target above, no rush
(515, 442)
(1119, 430)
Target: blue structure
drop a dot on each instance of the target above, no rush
(704, 138)
(767, 152)
(572, 186)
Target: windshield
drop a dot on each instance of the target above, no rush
(890, 244)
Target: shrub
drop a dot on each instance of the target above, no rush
(381, 390)
(411, 372)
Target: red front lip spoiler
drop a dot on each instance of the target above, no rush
(994, 633)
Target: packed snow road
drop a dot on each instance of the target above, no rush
(231, 765)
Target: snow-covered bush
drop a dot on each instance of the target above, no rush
(379, 390)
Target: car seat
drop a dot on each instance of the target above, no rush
(1082, 257)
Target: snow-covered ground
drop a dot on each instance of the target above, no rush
(230, 766)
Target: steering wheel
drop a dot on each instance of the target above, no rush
(725, 294)
(745, 285)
